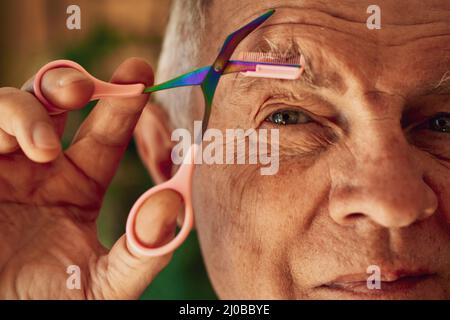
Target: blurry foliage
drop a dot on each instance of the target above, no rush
(185, 277)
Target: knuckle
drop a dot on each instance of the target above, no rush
(9, 95)
(13, 97)
(8, 147)
(8, 143)
(137, 60)
(7, 92)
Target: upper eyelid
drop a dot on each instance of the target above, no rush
(334, 123)
(305, 98)
(439, 114)
(422, 122)
(290, 107)
(267, 113)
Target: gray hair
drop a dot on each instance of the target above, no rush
(180, 54)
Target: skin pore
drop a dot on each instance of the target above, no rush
(363, 177)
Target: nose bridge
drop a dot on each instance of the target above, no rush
(384, 153)
(380, 180)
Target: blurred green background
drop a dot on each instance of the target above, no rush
(34, 32)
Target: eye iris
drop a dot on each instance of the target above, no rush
(285, 117)
(441, 123)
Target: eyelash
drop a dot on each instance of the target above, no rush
(279, 117)
(434, 123)
(316, 135)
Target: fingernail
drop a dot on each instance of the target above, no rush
(70, 78)
(44, 136)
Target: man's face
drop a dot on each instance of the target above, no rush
(364, 165)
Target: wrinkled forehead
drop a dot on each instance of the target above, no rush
(414, 38)
(394, 12)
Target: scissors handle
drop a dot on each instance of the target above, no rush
(101, 88)
(181, 183)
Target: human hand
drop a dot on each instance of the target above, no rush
(50, 198)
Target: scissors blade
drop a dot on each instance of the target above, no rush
(212, 78)
(208, 77)
(192, 78)
(233, 40)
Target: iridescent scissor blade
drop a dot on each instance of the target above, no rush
(218, 67)
(198, 77)
(193, 78)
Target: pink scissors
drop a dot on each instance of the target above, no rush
(208, 78)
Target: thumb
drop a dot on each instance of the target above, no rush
(127, 273)
(65, 88)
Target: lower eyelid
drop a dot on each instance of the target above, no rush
(310, 128)
(303, 140)
(311, 142)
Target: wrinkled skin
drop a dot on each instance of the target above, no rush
(363, 182)
(376, 194)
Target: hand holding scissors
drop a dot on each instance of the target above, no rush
(208, 78)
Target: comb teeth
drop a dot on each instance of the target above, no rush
(269, 58)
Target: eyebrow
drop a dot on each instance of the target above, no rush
(288, 49)
(244, 83)
(443, 85)
(306, 79)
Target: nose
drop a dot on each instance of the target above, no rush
(380, 180)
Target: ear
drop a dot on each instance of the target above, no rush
(153, 142)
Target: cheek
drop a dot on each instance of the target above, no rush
(437, 175)
(287, 202)
(224, 196)
(249, 224)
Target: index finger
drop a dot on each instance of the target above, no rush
(104, 135)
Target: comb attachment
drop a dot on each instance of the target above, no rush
(270, 65)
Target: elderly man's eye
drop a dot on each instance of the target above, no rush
(286, 117)
(440, 123)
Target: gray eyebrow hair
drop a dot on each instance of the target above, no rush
(285, 51)
(443, 86)
(289, 48)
